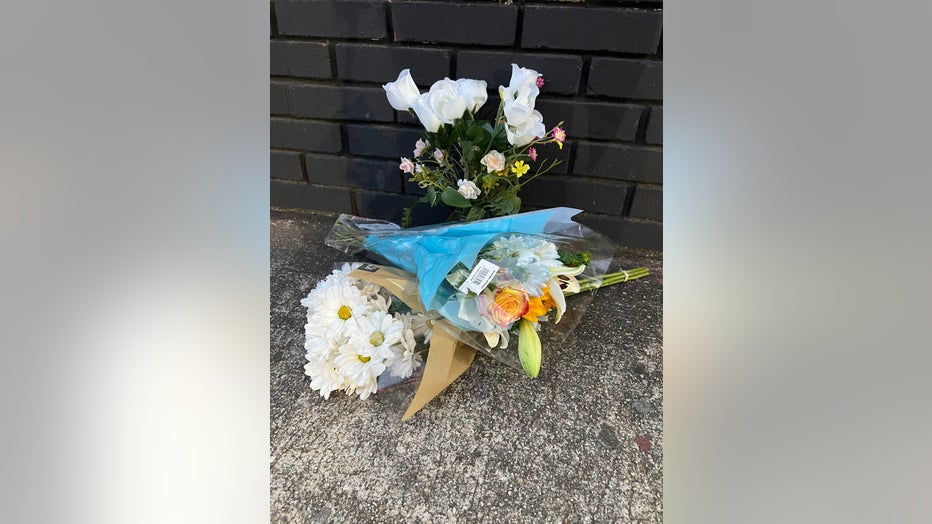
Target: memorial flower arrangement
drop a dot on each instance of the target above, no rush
(475, 166)
(493, 281)
(355, 332)
(498, 286)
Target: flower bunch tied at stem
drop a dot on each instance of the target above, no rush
(475, 166)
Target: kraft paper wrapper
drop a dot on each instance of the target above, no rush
(447, 358)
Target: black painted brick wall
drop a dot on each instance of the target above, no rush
(336, 141)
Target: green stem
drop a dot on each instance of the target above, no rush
(589, 284)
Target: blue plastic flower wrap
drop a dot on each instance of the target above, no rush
(505, 286)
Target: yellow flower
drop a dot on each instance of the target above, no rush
(537, 307)
(520, 168)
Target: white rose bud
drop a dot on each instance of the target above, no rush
(474, 92)
(402, 92)
(522, 77)
(446, 101)
(426, 115)
(468, 189)
(519, 104)
(525, 134)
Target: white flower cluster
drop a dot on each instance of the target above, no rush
(352, 336)
(525, 124)
(531, 260)
(448, 100)
(526, 262)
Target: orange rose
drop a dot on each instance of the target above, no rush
(510, 304)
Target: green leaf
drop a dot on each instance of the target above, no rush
(508, 204)
(431, 196)
(476, 213)
(479, 134)
(406, 214)
(515, 204)
(571, 259)
(468, 153)
(453, 198)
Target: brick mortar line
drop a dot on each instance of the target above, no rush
(347, 156)
(653, 57)
(305, 211)
(293, 182)
(572, 155)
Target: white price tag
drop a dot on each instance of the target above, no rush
(480, 277)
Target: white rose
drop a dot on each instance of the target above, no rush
(519, 104)
(474, 91)
(402, 92)
(468, 189)
(525, 134)
(446, 101)
(494, 161)
(522, 77)
(426, 115)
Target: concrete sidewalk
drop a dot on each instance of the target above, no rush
(581, 443)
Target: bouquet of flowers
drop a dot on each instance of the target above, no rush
(498, 286)
(356, 332)
(475, 166)
(494, 282)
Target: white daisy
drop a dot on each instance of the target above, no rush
(359, 363)
(377, 299)
(376, 332)
(418, 323)
(365, 389)
(321, 347)
(403, 361)
(370, 337)
(325, 377)
(335, 307)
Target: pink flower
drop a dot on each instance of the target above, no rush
(438, 156)
(559, 136)
(406, 165)
(419, 147)
(533, 154)
(540, 82)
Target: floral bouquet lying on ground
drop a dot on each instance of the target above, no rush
(498, 286)
(493, 280)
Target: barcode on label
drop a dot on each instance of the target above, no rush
(480, 277)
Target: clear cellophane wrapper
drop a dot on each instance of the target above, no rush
(441, 257)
